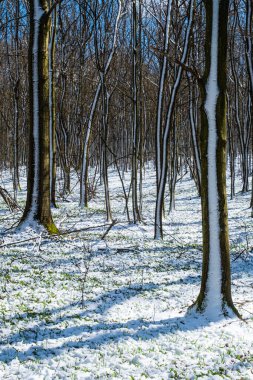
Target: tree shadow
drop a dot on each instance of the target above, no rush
(102, 303)
(96, 335)
(96, 308)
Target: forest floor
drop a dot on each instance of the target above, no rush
(78, 307)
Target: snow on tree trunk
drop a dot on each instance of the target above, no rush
(214, 278)
(215, 296)
(136, 121)
(161, 93)
(52, 109)
(249, 57)
(38, 13)
(37, 211)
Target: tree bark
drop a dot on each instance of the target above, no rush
(215, 298)
(249, 57)
(136, 124)
(37, 210)
(52, 110)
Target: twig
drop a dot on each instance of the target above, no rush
(81, 229)
(19, 242)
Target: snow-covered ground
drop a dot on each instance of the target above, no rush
(77, 307)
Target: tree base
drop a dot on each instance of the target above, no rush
(38, 226)
(201, 308)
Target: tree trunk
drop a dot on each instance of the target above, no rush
(105, 111)
(194, 137)
(173, 170)
(37, 210)
(215, 295)
(16, 104)
(52, 111)
(231, 151)
(159, 111)
(136, 126)
(249, 57)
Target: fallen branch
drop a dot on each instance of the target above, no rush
(19, 242)
(108, 229)
(82, 229)
(63, 234)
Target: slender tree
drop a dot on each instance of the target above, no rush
(16, 101)
(162, 156)
(52, 108)
(163, 75)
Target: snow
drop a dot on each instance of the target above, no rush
(214, 299)
(133, 323)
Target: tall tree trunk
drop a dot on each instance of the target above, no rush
(231, 151)
(105, 111)
(37, 210)
(52, 110)
(141, 108)
(249, 57)
(136, 126)
(16, 103)
(159, 112)
(173, 168)
(215, 295)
